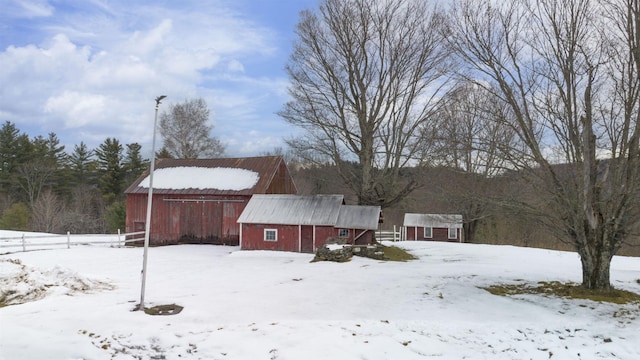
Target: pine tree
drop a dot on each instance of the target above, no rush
(110, 169)
(82, 167)
(134, 164)
(15, 149)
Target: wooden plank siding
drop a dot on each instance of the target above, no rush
(305, 222)
(297, 238)
(438, 234)
(206, 216)
(188, 219)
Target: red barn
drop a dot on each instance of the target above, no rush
(437, 227)
(199, 200)
(303, 223)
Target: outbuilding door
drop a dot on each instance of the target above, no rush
(306, 238)
(201, 222)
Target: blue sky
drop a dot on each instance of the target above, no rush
(91, 69)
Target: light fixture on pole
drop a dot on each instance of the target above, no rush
(147, 230)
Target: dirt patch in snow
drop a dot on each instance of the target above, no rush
(20, 283)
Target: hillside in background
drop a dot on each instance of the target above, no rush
(448, 191)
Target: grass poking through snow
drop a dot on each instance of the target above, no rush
(566, 290)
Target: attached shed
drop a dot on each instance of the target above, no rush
(436, 227)
(303, 223)
(199, 200)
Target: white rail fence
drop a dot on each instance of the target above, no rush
(390, 235)
(34, 241)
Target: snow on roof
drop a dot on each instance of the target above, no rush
(193, 177)
(433, 220)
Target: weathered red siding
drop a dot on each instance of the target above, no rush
(324, 233)
(296, 238)
(203, 215)
(282, 182)
(439, 234)
(253, 237)
(188, 219)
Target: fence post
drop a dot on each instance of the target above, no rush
(119, 239)
(68, 240)
(24, 245)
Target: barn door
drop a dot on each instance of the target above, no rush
(190, 222)
(306, 237)
(212, 222)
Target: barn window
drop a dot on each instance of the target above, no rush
(138, 226)
(428, 232)
(453, 233)
(343, 233)
(270, 234)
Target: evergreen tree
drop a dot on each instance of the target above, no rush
(45, 166)
(116, 216)
(15, 149)
(134, 164)
(16, 217)
(81, 166)
(163, 154)
(110, 169)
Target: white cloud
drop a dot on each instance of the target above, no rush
(96, 71)
(235, 66)
(28, 8)
(77, 109)
(144, 43)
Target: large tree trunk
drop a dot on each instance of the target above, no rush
(596, 264)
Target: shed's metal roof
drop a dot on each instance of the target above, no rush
(358, 217)
(292, 209)
(433, 220)
(265, 166)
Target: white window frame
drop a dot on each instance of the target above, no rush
(343, 233)
(274, 231)
(424, 232)
(454, 231)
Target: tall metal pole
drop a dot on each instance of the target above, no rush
(147, 230)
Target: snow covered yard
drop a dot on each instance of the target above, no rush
(275, 305)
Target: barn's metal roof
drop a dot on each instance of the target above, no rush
(433, 220)
(292, 209)
(265, 166)
(358, 217)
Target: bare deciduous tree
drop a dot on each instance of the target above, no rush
(186, 131)
(550, 62)
(365, 77)
(469, 140)
(34, 176)
(47, 214)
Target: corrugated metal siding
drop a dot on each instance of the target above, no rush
(292, 210)
(358, 217)
(433, 220)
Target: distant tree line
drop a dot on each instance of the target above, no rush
(45, 188)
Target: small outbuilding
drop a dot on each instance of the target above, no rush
(199, 200)
(436, 227)
(303, 223)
